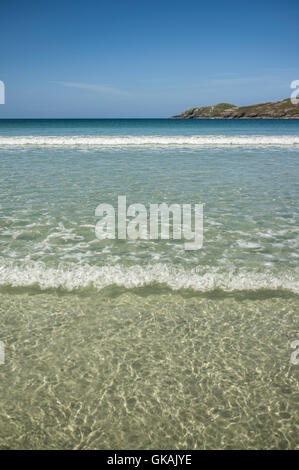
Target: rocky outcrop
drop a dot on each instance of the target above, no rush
(284, 109)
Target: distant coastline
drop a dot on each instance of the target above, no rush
(284, 109)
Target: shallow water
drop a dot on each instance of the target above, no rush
(142, 344)
(148, 370)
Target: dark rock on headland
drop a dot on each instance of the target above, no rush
(284, 109)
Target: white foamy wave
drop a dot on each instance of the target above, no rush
(74, 277)
(120, 141)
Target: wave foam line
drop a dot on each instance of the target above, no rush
(75, 277)
(119, 141)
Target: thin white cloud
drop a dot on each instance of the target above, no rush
(247, 80)
(235, 81)
(96, 88)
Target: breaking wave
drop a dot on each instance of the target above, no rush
(72, 277)
(120, 141)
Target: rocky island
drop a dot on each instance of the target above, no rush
(284, 109)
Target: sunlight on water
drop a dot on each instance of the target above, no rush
(148, 370)
(134, 344)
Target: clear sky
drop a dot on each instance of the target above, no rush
(128, 58)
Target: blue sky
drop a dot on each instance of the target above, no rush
(155, 58)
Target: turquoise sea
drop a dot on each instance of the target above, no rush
(141, 344)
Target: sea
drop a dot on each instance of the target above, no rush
(140, 343)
